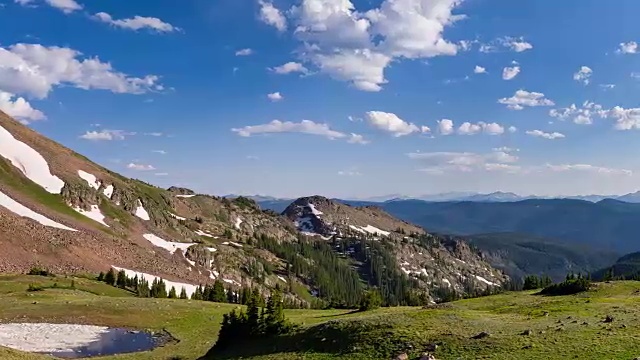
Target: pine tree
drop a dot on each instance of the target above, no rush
(110, 277)
(121, 280)
(231, 296)
(274, 315)
(101, 276)
(172, 293)
(197, 295)
(143, 288)
(183, 294)
(217, 292)
(207, 293)
(253, 314)
(246, 293)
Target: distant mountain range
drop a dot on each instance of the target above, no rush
(500, 196)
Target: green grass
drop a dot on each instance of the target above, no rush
(12, 177)
(114, 212)
(343, 334)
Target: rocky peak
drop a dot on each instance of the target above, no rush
(180, 191)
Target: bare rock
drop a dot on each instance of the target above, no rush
(427, 356)
(402, 356)
(527, 332)
(608, 319)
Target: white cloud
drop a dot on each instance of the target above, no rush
(635, 75)
(440, 162)
(19, 108)
(588, 168)
(391, 123)
(244, 52)
(35, 69)
(289, 68)
(512, 129)
(137, 23)
(140, 167)
(607, 86)
(270, 15)
(506, 149)
(517, 44)
(356, 47)
(24, 2)
(156, 134)
(583, 75)
(630, 47)
(106, 135)
(468, 128)
(479, 70)
(425, 129)
(277, 126)
(580, 115)
(548, 136)
(161, 174)
(626, 119)
(509, 73)
(66, 6)
(349, 173)
(276, 96)
(445, 127)
(252, 157)
(161, 152)
(524, 98)
(357, 139)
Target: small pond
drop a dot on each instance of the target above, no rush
(78, 341)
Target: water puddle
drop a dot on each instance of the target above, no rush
(78, 341)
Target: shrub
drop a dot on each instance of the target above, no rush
(33, 287)
(371, 300)
(36, 270)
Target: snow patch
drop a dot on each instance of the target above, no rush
(374, 230)
(185, 196)
(108, 191)
(202, 233)
(233, 282)
(238, 223)
(211, 276)
(171, 247)
(232, 243)
(446, 281)
(190, 289)
(141, 212)
(192, 263)
(19, 209)
(480, 278)
(29, 162)
(93, 214)
(48, 338)
(177, 217)
(91, 179)
(282, 278)
(356, 228)
(315, 211)
(212, 249)
(406, 271)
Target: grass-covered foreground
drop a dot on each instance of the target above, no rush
(521, 325)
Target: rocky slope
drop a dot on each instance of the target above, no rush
(61, 211)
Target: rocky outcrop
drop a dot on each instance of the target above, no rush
(200, 255)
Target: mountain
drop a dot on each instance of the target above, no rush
(493, 197)
(627, 267)
(519, 255)
(61, 211)
(431, 261)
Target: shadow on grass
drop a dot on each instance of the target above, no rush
(373, 336)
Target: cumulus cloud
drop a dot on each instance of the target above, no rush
(545, 135)
(524, 98)
(136, 23)
(479, 70)
(106, 135)
(66, 6)
(270, 15)
(630, 47)
(244, 52)
(357, 139)
(468, 128)
(140, 167)
(391, 123)
(445, 126)
(276, 96)
(19, 108)
(357, 46)
(440, 162)
(303, 127)
(583, 75)
(509, 73)
(34, 69)
(582, 115)
(517, 44)
(626, 119)
(290, 67)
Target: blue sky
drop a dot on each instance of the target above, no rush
(369, 97)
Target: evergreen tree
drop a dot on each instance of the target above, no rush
(545, 281)
(197, 295)
(274, 315)
(172, 293)
(143, 288)
(531, 282)
(246, 293)
(101, 276)
(183, 294)
(231, 296)
(207, 293)
(110, 277)
(121, 280)
(217, 292)
(371, 300)
(253, 314)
